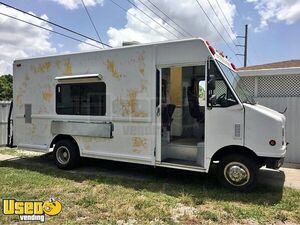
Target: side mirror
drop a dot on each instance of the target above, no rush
(211, 84)
(212, 100)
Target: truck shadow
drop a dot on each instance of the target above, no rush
(202, 187)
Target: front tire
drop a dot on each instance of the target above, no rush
(238, 172)
(66, 154)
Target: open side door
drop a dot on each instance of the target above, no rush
(157, 150)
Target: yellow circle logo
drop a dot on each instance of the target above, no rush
(52, 208)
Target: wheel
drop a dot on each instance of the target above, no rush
(238, 172)
(66, 154)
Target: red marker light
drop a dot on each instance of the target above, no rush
(233, 66)
(18, 65)
(212, 50)
(272, 142)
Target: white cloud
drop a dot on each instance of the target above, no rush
(85, 47)
(276, 10)
(18, 39)
(75, 4)
(186, 13)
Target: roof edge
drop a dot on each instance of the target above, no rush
(270, 72)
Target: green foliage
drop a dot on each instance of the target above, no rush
(6, 90)
(201, 92)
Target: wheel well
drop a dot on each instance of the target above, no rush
(63, 137)
(235, 149)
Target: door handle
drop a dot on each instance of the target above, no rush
(158, 111)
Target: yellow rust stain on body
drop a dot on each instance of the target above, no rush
(139, 144)
(19, 100)
(47, 93)
(110, 65)
(141, 61)
(129, 106)
(41, 68)
(21, 90)
(67, 67)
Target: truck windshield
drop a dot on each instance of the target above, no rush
(237, 84)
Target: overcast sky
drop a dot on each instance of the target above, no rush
(274, 26)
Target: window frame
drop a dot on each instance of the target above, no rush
(79, 84)
(226, 83)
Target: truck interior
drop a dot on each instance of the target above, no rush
(183, 115)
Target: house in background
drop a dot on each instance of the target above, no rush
(277, 86)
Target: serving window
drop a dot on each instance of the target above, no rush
(81, 99)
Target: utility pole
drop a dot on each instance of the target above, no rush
(245, 45)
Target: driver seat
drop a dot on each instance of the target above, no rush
(194, 107)
(167, 113)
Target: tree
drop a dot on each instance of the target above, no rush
(6, 90)
(201, 92)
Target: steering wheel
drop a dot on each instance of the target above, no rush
(221, 99)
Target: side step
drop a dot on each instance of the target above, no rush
(182, 166)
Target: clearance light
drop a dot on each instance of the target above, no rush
(233, 66)
(18, 65)
(222, 54)
(272, 142)
(212, 50)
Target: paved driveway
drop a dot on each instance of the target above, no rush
(289, 177)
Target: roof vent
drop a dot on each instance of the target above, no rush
(127, 43)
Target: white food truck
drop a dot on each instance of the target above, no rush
(177, 104)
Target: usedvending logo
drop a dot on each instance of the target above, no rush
(31, 210)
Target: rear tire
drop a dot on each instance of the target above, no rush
(66, 154)
(238, 172)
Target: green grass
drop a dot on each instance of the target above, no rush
(17, 152)
(161, 197)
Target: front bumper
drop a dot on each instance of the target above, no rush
(274, 163)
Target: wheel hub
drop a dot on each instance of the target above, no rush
(237, 174)
(63, 155)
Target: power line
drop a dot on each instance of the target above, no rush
(44, 28)
(163, 19)
(224, 16)
(170, 18)
(217, 31)
(238, 41)
(227, 21)
(92, 22)
(54, 24)
(134, 16)
(152, 18)
(214, 11)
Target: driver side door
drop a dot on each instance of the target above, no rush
(224, 120)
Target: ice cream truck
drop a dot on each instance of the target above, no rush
(176, 104)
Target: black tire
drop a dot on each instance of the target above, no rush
(66, 154)
(238, 172)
